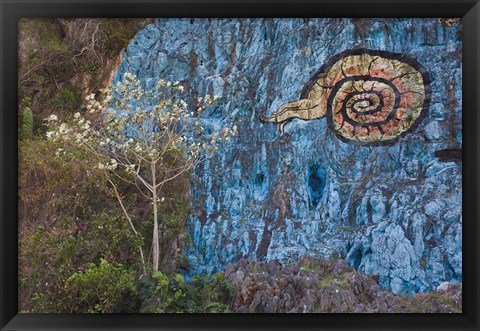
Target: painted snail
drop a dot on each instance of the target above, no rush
(369, 97)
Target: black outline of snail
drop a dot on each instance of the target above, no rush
(305, 106)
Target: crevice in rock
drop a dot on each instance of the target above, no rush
(259, 179)
(316, 182)
(355, 259)
(264, 243)
(449, 271)
(369, 212)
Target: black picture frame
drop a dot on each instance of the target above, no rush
(12, 10)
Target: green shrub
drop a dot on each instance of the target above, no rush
(90, 67)
(27, 124)
(326, 281)
(68, 218)
(54, 42)
(69, 99)
(101, 289)
(172, 294)
(119, 32)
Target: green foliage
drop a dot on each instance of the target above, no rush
(174, 212)
(326, 281)
(309, 267)
(172, 294)
(101, 288)
(68, 99)
(68, 218)
(77, 52)
(119, 38)
(119, 32)
(54, 42)
(51, 255)
(27, 125)
(179, 279)
(122, 243)
(161, 281)
(430, 302)
(182, 261)
(255, 269)
(27, 101)
(90, 67)
(318, 310)
(217, 307)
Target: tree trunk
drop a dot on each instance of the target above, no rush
(155, 240)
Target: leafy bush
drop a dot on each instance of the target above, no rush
(101, 289)
(163, 294)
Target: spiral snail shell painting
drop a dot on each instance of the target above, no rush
(369, 97)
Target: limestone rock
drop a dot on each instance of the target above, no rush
(393, 212)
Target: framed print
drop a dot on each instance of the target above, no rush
(239, 164)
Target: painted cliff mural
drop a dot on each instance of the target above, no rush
(363, 184)
(333, 180)
(370, 97)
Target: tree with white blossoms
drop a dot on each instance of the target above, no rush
(145, 137)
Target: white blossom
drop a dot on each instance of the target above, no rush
(51, 118)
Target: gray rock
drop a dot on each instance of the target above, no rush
(436, 130)
(444, 287)
(330, 286)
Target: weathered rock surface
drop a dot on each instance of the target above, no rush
(389, 211)
(321, 286)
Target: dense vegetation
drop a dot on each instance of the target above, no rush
(61, 60)
(77, 253)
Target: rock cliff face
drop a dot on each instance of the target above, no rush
(391, 211)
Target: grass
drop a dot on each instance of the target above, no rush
(325, 282)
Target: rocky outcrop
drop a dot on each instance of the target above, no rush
(321, 286)
(390, 211)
